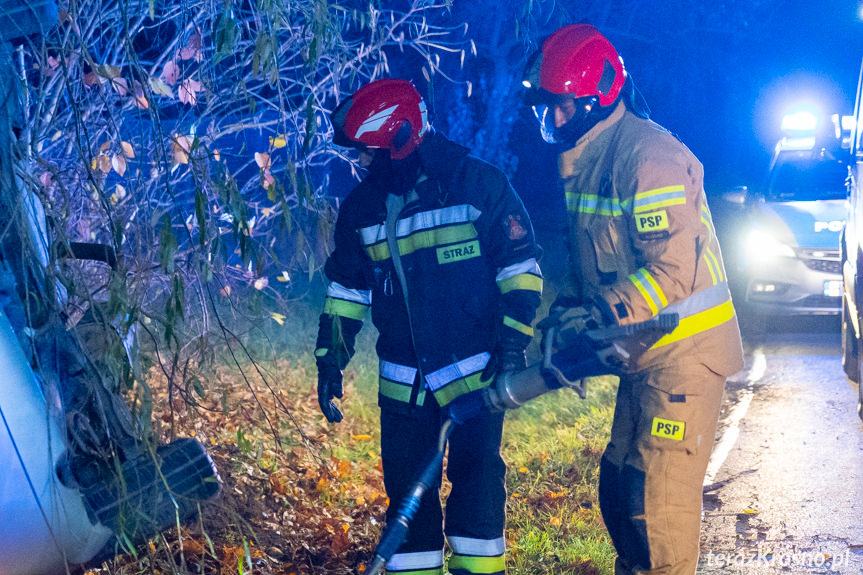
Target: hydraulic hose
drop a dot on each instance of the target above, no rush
(397, 530)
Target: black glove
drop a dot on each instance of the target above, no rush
(508, 355)
(329, 386)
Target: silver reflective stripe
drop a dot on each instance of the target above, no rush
(469, 366)
(416, 561)
(397, 373)
(698, 302)
(373, 234)
(338, 291)
(479, 547)
(422, 221)
(374, 123)
(528, 266)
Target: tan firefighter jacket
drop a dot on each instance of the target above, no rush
(642, 242)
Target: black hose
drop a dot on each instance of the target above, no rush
(397, 530)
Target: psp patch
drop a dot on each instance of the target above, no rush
(667, 428)
(651, 221)
(458, 252)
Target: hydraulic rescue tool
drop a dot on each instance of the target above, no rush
(574, 347)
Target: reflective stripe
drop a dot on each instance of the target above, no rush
(321, 352)
(426, 239)
(527, 282)
(344, 308)
(468, 366)
(374, 122)
(528, 266)
(517, 325)
(338, 291)
(698, 323)
(649, 290)
(419, 561)
(716, 265)
(447, 383)
(398, 373)
(484, 565)
(709, 265)
(460, 387)
(460, 214)
(649, 200)
(399, 391)
(471, 546)
(593, 204)
(396, 381)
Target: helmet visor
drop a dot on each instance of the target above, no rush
(545, 116)
(577, 113)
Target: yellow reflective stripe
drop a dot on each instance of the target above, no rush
(379, 251)
(459, 387)
(321, 352)
(477, 564)
(662, 299)
(398, 391)
(649, 290)
(710, 268)
(344, 308)
(656, 198)
(593, 204)
(715, 263)
(424, 239)
(644, 293)
(517, 325)
(698, 323)
(528, 282)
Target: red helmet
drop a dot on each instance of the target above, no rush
(580, 61)
(386, 113)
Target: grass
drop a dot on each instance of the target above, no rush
(304, 496)
(552, 447)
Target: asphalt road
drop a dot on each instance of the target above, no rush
(784, 489)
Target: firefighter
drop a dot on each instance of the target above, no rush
(440, 247)
(641, 242)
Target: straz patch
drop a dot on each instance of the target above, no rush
(667, 428)
(458, 252)
(651, 221)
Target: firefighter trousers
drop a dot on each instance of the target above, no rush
(475, 506)
(652, 472)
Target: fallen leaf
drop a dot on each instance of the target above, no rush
(278, 142)
(140, 97)
(160, 87)
(120, 85)
(192, 49)
(127, 149)
(170, 73)
(188, 91)
(118, 162)
(180, 147)
(263, 160)
(104, 163)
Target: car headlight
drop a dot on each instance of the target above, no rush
(761, 246)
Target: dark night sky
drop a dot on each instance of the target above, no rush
(810, 52)
(813, 55)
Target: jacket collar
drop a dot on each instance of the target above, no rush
(567, 159)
